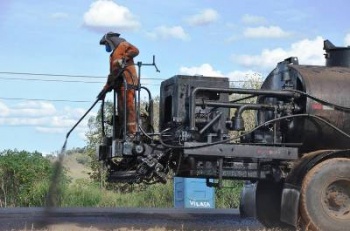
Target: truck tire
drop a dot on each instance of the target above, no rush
(325, 196)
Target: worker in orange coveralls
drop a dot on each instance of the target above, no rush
(122, 54)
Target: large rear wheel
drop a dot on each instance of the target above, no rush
(325, 196)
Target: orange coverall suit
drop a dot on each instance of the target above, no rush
(125, 51)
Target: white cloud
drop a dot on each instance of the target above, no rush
(205, 17)
(43, 116)
(62, 121)
(51, 130)
(205, 70)
(347, 40)
(237, 77)
(106, 14)
(4, 110)
(175, 32)
(265, 32)
(75, 113)
(23, 121)
(308, 51)
(33, 109)
(253, 19)
(243, 75)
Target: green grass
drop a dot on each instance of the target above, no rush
(83, 192)
(88, 194)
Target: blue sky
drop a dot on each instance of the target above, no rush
(215, 38)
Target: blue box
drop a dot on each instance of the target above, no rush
(193, 193)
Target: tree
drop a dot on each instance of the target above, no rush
(20, 171)
(94, 137)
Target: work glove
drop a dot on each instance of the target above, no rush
(102, 95)
(104, 91)
(121, 62)
(107, 88)
(111, 79)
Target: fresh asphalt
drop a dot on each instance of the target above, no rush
(124, 219)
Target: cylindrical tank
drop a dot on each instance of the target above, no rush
(336, 56)
(331, 84)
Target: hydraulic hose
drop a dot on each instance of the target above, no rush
(333, 105)
(254, 129)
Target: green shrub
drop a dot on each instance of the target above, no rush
(228, 196)
(158, 195)
(81, 193)
(38, 193)
(84, 193)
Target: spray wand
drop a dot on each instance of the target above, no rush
(54, 189)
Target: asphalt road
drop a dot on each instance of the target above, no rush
(124, 219)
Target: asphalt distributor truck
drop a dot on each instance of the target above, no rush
(295, 161)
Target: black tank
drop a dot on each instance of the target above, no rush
(329, 83)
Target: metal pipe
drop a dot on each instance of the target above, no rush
(150, 106)
(254, 107)
(139, 64)
(234, 105)
(114, 114)
(238, 119)
(125, 109)
(210, 123)
(221, 161)
(233, 90)
(103, 117)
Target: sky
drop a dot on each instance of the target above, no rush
(52, 66)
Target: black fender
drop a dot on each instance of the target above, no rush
(292, 185)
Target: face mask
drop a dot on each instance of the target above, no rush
(108, 48)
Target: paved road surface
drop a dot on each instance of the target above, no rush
(67, 219)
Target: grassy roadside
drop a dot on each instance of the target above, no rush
(81, 191)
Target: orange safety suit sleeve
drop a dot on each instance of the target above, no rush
(126, 51)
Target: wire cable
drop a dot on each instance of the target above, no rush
(79, 76)
(65, 81)
(50, 100)
(333, 105)
(49, 80)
